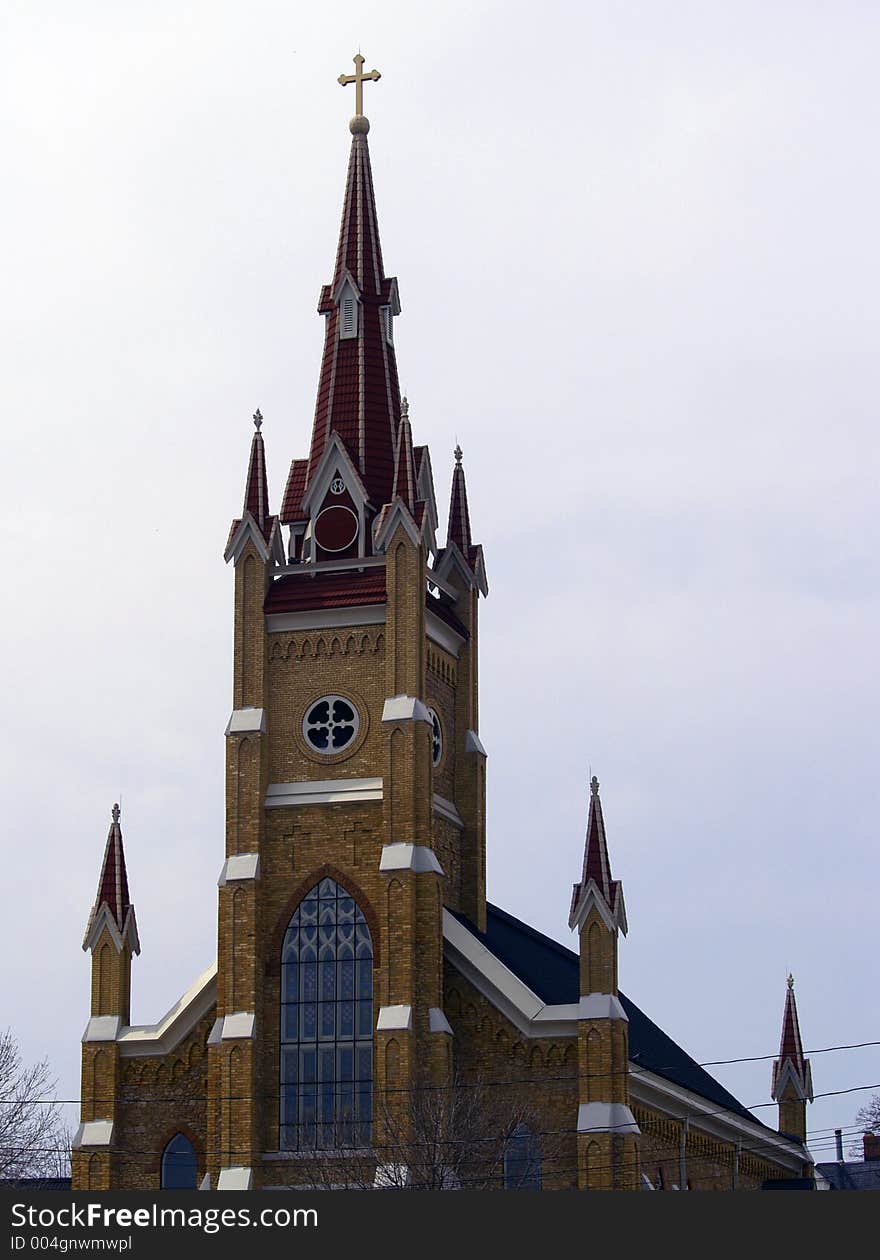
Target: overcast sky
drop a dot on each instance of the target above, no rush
(637, 249)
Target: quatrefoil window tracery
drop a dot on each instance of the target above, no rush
(330, 724)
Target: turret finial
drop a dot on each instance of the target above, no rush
(258, 419)
(458, 454)
(790, 980)
(594, 786)
(404, 408)
(114, 813)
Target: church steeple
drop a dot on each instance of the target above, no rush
(358, 390)
(792, 1081)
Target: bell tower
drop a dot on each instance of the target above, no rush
(355, 776)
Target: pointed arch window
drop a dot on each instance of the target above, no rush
(522, 1160)
(326, 1023)
(179, 1170)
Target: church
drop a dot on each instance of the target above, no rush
(371, 1020)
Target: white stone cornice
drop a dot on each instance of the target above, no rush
(322, 792)
(326, 618)
(443, 635)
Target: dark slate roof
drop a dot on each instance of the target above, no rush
(852, 1174)
(552, 972)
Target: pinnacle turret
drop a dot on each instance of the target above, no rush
(112, 904)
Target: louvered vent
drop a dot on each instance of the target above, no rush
(348, 323)
(389, 324)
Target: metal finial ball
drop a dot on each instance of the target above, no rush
(458, 452)
(114, 813)
(359, 125)
(594, 786)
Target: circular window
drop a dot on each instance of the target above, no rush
(337, 485)
(436, 739)
(330, 724)
(336, 528)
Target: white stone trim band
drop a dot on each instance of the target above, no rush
(326, 618)
(322, 792)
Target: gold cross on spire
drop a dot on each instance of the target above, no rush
(358, 80)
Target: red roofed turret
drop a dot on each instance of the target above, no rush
(112, 903)
(256, 490)
(459, 528)
(792, 1080)
(596, 877)
(404, 466)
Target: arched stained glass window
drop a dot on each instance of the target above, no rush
(179, 1164)
(326, 1023)
(522, 1160)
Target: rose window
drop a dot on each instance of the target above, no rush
(330, 724)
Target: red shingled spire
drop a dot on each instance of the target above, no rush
(459, 527)
(256, 489)
(791, 1064)
(597, 864)
(113, 887)
(358, 390)
(404, 465)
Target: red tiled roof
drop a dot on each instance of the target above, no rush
(256, 489)
(291, 508)
(404, 465)
(358, 391)
(113, 881)
(459, 527)
(300, 593)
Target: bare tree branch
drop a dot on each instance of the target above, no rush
(34, 1137)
